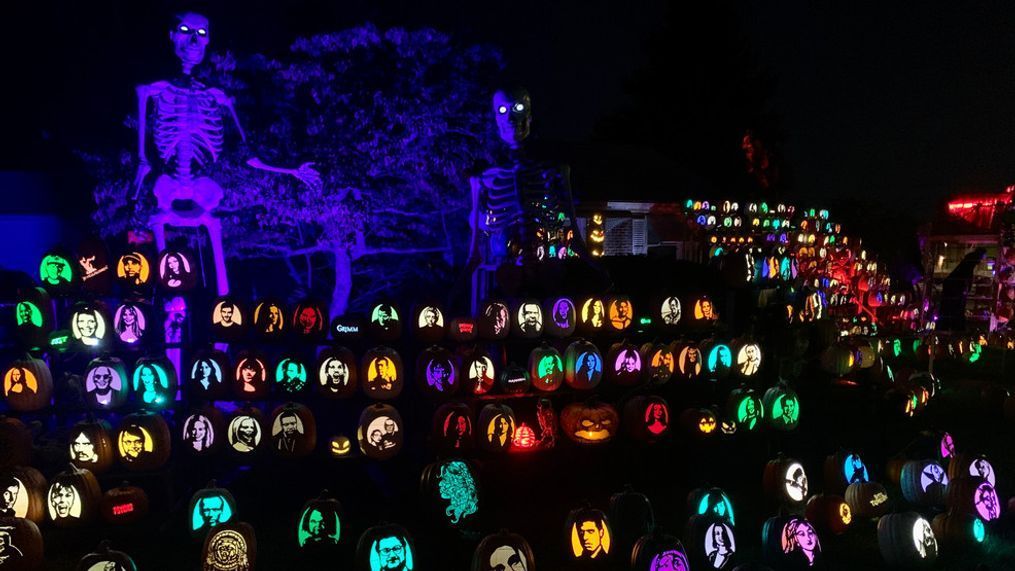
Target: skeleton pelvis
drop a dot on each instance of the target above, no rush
(191, 198)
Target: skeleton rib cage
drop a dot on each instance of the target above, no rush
(523, 205)
(188, 128)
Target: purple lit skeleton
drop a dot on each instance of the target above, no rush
(188, 131)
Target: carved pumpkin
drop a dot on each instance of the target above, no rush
(975, 496)
(963, 464)
(337, 373)
(718, 359)
(208, 373)
(270, 320)
(480, 372)
(924, 482)
(309, 321)
(23, 492)
(546, 368)
(106, 558)
(293, 431)
(959, 531)
(503, 551)
(747, 355)
(868, 500)
(437, 372)
(583, 365)
(33, 316)
(230, 547)
(202, 431)
(382, 373)
(320, 523)
(631, 517)
(705, 313)
(785, 482)
(782, 408)
(210, 507)
(340, 447)
(494, 321)
(624, 365)
(91, 446)
(790, 542)
(656, 550)
(90, 325)
(830, 514)
(699, 422)
(647, 418)
(15, 442)
(380, 432)
(245, 432)
(528, 322)
(429, 324)
(592, 316)
(842, 469)
(73, 497)
(452, 428)
(589, 536)
(450, 490)
(690, 363)
(838, 360)
(250, 376)
(27, 384)
(560, 317)
(589, 423)
(746, 407)
(106, 383)
(711, 502)
(712, 542)
(124, 505)
(620, 313)
(22, 544)
(57, 273)
(385, 322)
(669, 312)
(134, 272)
(658, 363)
(907, 540)
(177, 271)
(497, 427)
(463, 330)
(131, 322)
(228, 319)
(514, 380)
(154, 382)
(143, 441)
(385, 546)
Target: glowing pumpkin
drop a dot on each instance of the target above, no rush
(589, 423)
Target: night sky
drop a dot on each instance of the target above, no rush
(874, 102)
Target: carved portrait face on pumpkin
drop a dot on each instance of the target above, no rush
(319, 525)
(82, 449)
(384, 316)
(720, 545)
(88, 326)
(986, 501)
(133, 268)
(563, 313)
(134, 441)
(669, 560)
(507, 558)
(981, 468)
(481, 375)
(590, 538)
(933, 474)
(55, 270)
(334, 374)
(210, 511)
(796, 482)
(64, 501)
(456, 484)
(690, 361)
(924, 540)
(391, 553)
(670, 311)
(431, 317)
(799, 535)
(530, 318)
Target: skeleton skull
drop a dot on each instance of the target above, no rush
(190, 39)
(512, 109)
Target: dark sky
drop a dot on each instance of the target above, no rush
(876, 100)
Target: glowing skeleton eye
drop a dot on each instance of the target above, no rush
(184, 28)
(202, 32)
(519, 107)
(502, 110)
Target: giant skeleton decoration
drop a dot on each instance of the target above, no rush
(188, 130)
(521, 210)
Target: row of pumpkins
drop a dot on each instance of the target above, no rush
(337, 373)
(451, 496)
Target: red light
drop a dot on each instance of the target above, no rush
(123, 509)
(465, 328)
(525, 437)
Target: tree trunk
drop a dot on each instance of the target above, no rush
(343, 282)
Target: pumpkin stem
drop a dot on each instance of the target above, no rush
(103, 547)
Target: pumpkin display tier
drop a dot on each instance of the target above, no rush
(380, 432)
(293, 431)
(124, 505)
(143, 441)
(106, 383)
(907, 540)
(73, 498)
(106, 558)
(319, 527)
(27, 384)
(791, 542)
(230, 547)
(337, 373)
(589, 538)
(503, 550)
(209, 508)
(22, 542)
(589, 423)
(91, 446)
(385, 546)
(24, 492)
(450, 493)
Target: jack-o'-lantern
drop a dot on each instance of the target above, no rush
(624, 365)
(208, 375)
(746, 407)
(589, 423)
(514, 379)
(293, 431)
(15, 442)
(656, 550)
(245, 432)
(27, 384)
(712, 541)
(546, 368)
(494, 321)
(782, 407)
(209, 508)
(619, 313)
(385, 322)
(747, 355)
(790, 542)
(785, 482)
(524, 439)
(503, 551)
(429, 323)
(583, 365)
(106, 383)
(90, 325)
(104, 557)
(73, 497)
(228, 319)
(437, 371)
(690, 364)
(711, 502)
(154, 382)
(560, 317)
(269, 319)
(669, 310)
(33, 313)
(91, 446)
(23, 490)
(463, 330)
(959, 531)
(291, 374)
(22, 543)
(907, 540)
(699, 422)
(647, 418)
(867, 500)
(319, 527)
(658, 363)
(924, 483)
(230, 547)
(592, 315)
(496, 426)
(480, 372)
(588, 536)
(337, 373)
(631, 517)
(829, 514)
(131, 322)
(124, 505)
(386, 546)
(842, 469)
(143, 441)
(309, 321)
(450, 491)
(250, 376)
(177, 271)
(57, 273)
(718, 359)
(452, 428)
(975, 496)
(528, 319)
(380, 431)
(962, 464)
(340, 447)
(134, 272)
(704, 314)
(838, 360)
(382, 373)
(202, 431)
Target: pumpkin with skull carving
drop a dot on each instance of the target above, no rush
(589, 423)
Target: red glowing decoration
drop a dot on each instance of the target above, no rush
(525, 437)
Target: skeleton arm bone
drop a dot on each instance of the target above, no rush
(144, 92)
(474, 256)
